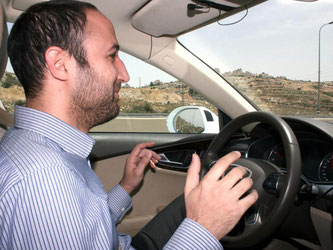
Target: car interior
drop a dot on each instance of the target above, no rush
(290, 157)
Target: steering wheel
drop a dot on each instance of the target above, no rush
(277, 190)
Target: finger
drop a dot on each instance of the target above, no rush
(233, 177)
(143, 164)
(246, 202)
(154, 160)
(215, 173)
(138, 148)
(152, 164)
(142, 154)
(242, 187)
(193, 175)
(155, 156)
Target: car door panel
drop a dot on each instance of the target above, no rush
(160, 186)
(115, 144)
(158, 189)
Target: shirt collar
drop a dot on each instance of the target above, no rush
(70, 139)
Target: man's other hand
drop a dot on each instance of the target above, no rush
(216, 203)
(136, 163)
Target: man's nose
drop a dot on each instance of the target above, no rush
(122, 72)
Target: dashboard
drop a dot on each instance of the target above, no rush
(314, 139)
(316, 154)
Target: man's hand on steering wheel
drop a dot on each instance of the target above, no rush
(271, 209)
(218, 204)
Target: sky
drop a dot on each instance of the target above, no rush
(279, 37)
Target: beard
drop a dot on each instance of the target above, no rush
(93, 99)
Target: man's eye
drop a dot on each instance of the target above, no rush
(113, 56)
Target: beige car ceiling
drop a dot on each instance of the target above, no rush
(136, 21)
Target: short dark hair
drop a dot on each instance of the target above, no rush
(55, 23)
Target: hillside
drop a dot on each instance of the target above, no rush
(161, 98)
(283, 96)
(277, 94)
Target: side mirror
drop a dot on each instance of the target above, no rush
(192, 119)
(2, 106)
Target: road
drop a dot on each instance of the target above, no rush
(145, 124)
(133, 124)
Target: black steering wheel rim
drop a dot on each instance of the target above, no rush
(287, 191)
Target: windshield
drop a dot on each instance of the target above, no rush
(279, 55)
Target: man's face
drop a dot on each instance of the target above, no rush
(96, 93)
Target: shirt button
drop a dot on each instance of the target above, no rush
(122, 209)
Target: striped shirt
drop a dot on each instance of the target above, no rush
(50, 198)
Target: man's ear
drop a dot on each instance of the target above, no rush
(56, 61)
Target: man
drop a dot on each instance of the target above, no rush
(65, 54)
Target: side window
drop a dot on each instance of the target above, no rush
(11, 90)
(209, 116)
(153, 101)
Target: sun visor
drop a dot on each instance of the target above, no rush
(170, 18)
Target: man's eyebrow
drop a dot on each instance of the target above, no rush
(115, 47)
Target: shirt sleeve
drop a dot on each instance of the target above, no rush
(191, 235)
(119, 202)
